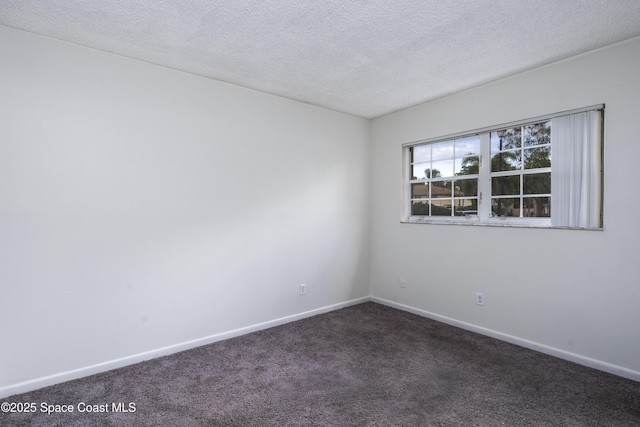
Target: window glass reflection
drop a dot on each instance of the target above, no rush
(442, 150)
(441, 189)
(465, 207)
(465, 188)
(539, 207)
(441, 207)
(419, 191)
(506, 139)
(467, 166)
(505, 185)
(537, 183)
(420, 170)
(467, 146)
(506, 161)
(539, 157)
(419, 208)
(442, 169)
(421, 154)
(537, 134)
(505, 207)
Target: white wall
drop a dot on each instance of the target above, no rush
(142, 207)
(571, 293)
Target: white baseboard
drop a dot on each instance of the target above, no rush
(37, 383)
(561, 354)
(136, 358)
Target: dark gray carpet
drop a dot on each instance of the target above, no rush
(367, 365)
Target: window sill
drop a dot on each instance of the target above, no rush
(494, 223)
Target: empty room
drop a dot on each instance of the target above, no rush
(244, 213)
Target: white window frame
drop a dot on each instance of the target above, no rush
(485, 216)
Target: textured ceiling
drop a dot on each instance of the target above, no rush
(366, 58)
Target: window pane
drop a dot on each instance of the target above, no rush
(537, 183)
(465, 207)
(421, 154)
(506, 139)
(506, 161)
(505, 207)
(467, 166)
(442, 169)
(420, 208)
(442, 150)
(468, 146)
(465, 188)
(505, 185)
(536, 134)
(441, 207)
(419, 191)
(420, 171)
(441, 189)
(537, 207)
(539, 157)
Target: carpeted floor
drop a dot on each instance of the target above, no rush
(367, 365)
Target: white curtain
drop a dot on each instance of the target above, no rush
(576, 170)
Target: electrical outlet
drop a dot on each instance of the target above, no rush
(479, 298)
(402, 282)
(303, 289)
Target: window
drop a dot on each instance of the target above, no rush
(521, 171)
(444, 179)
(544, 172)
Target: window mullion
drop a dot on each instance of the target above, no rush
(484, 178)
(522, 160)
(406, 173)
